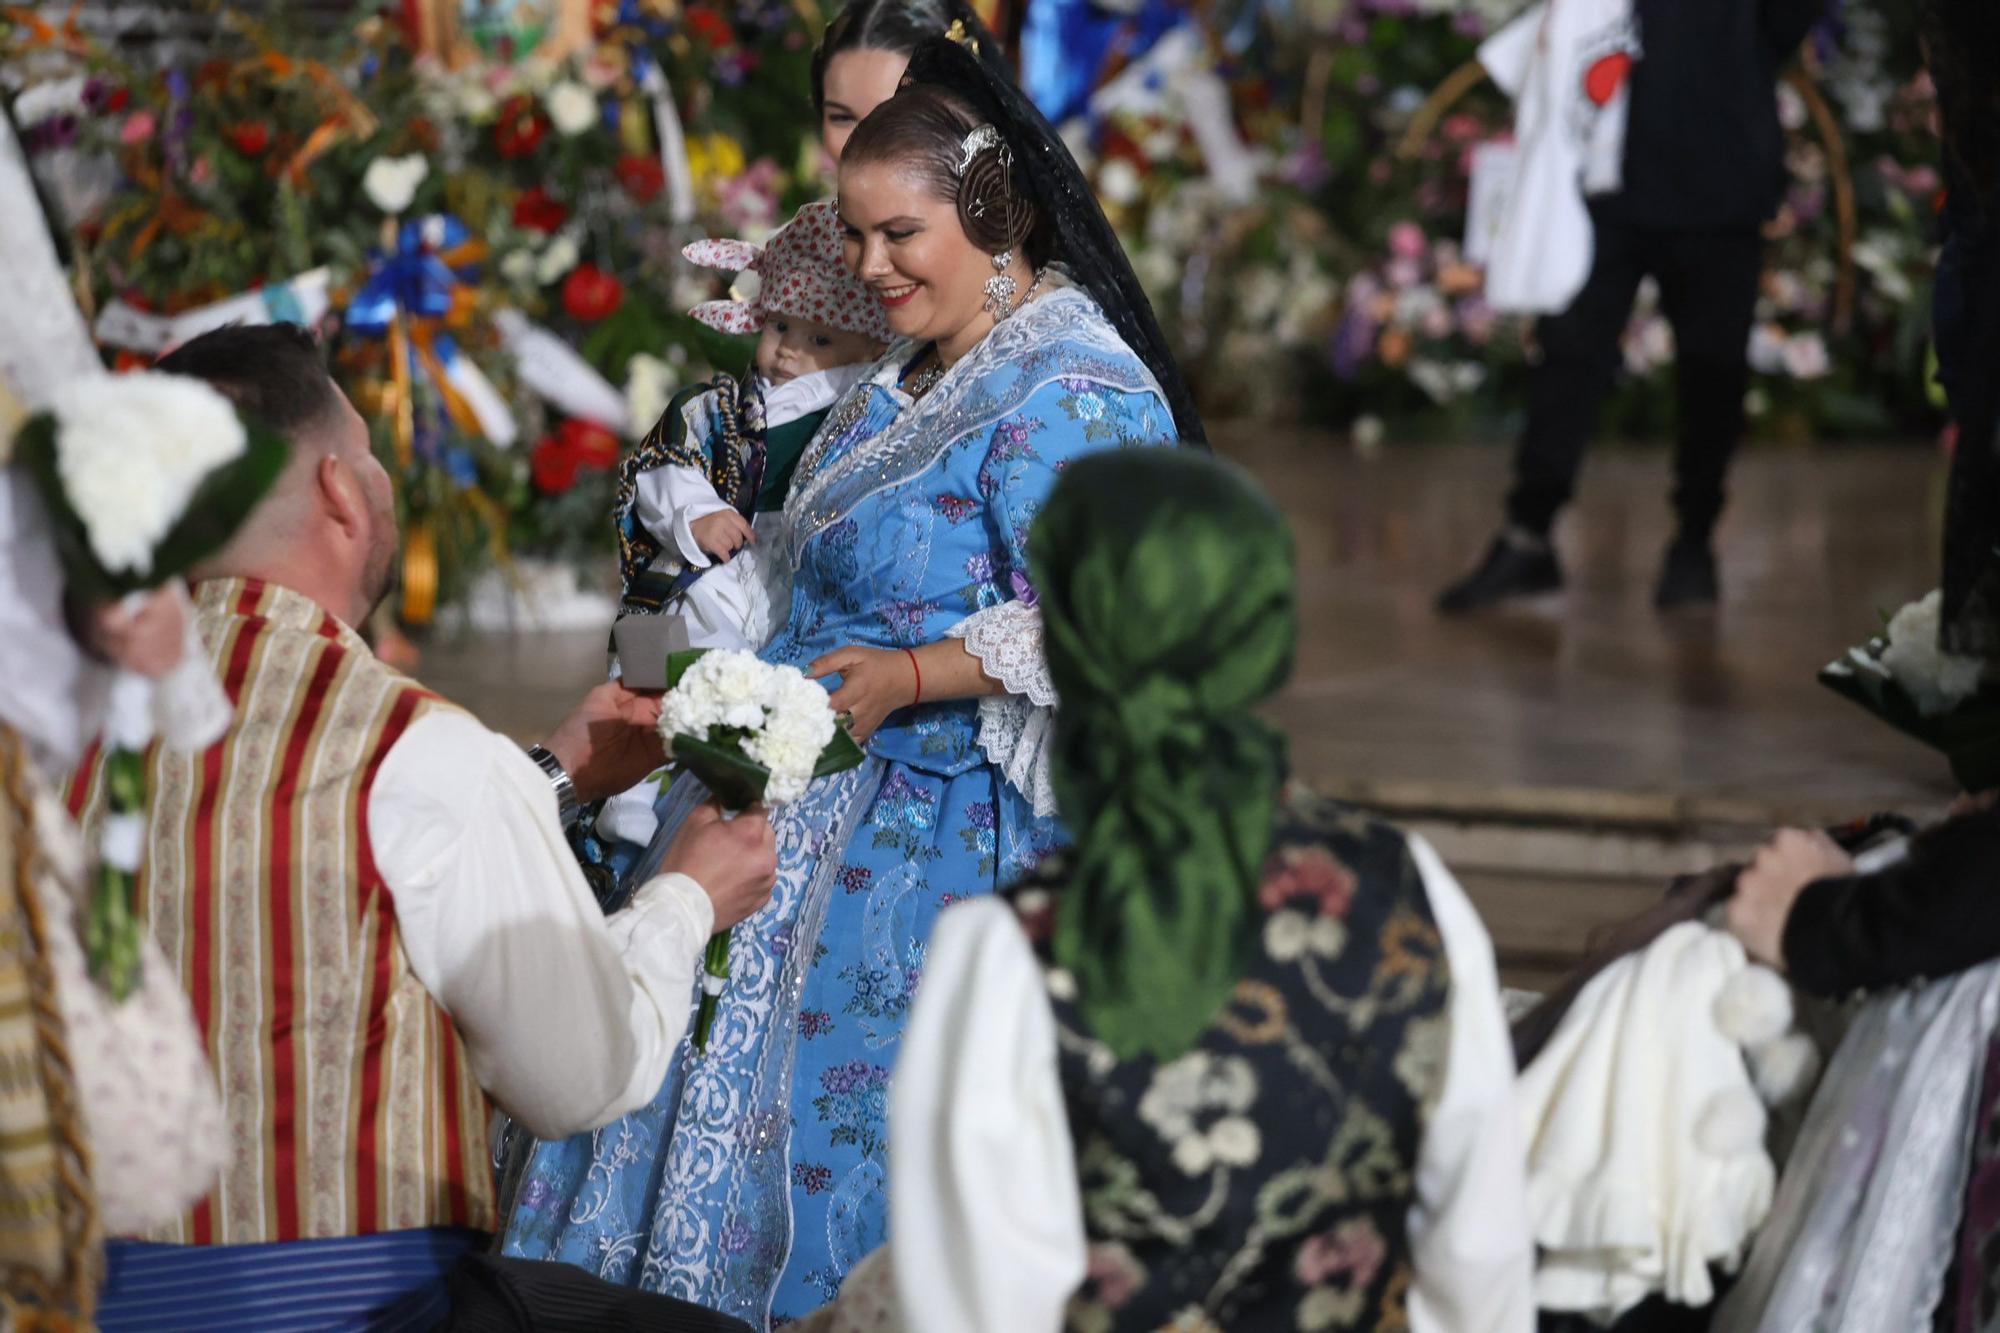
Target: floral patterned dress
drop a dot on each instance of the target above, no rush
(756, 1179)
(1261, 1180)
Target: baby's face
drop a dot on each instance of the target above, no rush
(790, 347)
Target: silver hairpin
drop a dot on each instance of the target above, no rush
(982, 138)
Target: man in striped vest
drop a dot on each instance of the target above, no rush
(372, 905)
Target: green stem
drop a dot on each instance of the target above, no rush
(715, 963)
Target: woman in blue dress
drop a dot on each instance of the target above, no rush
(756, 1179)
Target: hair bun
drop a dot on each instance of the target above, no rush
(995, 215)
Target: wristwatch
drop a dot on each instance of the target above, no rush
(567, 804)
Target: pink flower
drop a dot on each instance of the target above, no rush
(1116, 1273)
(1307, 872)
(1352, 1247)
(138, 128)
(1406, 241)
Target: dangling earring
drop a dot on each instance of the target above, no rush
(1000, 288)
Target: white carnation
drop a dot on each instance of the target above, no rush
(130, 452)
(1936, 681)
(391, 182)
(572, 108)
(786, 716)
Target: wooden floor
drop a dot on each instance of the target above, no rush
(1566, 754)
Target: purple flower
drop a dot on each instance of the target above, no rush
(1024, 591)
(537, 1194)
(980, 567)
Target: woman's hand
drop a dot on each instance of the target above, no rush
(722, 534)
(1756, 913)
(145, 633)
(874, 682)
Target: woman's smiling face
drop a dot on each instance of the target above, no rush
(908, 246)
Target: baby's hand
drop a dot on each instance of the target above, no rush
(722, 534)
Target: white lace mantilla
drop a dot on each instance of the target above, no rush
(1016, 729)
(1063, 335)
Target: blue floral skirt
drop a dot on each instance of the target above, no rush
(757, 1178)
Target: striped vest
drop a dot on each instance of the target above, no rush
(350, 1108)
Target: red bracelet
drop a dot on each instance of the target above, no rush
(911, 653)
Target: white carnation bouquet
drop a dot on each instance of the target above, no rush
(754, 733)
(1942, 699)
(142, 476)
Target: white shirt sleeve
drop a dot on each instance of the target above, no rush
(985, 1211)
(1470, 1241)
(668, 500)
(570, 1018)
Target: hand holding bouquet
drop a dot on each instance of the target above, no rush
(754, 733)
(142, 476)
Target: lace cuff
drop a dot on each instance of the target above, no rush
(1015, 731)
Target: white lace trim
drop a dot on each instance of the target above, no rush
(1016, 731)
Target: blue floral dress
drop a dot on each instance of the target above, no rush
(755, 1180)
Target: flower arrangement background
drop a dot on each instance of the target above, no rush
(491, 239)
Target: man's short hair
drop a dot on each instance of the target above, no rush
(273, 372)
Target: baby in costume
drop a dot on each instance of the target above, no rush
(701, 501)
(706, 488)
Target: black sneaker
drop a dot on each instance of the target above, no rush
(1510, 569)
(1687, 575)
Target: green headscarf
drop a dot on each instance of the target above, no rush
(1166, 588)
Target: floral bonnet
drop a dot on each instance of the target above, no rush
(802, 273)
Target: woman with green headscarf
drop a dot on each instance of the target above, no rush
(1236, 1061)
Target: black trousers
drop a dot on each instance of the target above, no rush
(1708, 291)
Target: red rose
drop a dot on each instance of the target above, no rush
(711, 27)
(251, 137)
(596, 448)
(118, 99)
(537, 210)
(591, 294)
(520, 128)
(642, 176)
(573, 447)
(554, 467)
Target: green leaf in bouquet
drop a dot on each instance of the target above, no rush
(840, 754)
(678, 664)
(736, 781)
(1968, 736)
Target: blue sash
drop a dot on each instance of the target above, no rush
(394, 1282)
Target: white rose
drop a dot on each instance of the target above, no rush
(649, 389)
(391, 182)
(572, 108)
(476, 101)
(558, 257)
(1119, 181)
(131, 450)
(518, 267)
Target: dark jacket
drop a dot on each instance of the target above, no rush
(1932, 914)
(1703, 148)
